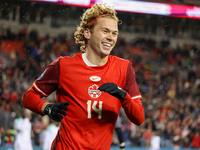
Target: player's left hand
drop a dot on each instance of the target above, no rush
(113, 90)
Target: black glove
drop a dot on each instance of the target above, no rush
(54, 111)
(113, 90)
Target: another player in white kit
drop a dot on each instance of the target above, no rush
(22, 126)
(155, 142)
(50, 134)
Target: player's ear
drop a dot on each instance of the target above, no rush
(87, 33)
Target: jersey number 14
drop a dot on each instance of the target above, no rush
(91, 106)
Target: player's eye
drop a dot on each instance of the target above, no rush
(105, 31)
(115, 34)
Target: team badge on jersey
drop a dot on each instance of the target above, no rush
(93, 91)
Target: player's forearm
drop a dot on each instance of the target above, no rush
(31, 100)
(133, 109)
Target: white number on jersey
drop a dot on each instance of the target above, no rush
(93, 106)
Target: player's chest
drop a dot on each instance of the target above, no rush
(83, 86)
(79, 79)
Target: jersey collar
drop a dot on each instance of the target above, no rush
(87, 61)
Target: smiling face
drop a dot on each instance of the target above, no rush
(103, 37)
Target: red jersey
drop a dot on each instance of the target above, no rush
(92, 114)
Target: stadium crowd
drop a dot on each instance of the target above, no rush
(168, 79)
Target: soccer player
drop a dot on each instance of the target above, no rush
(155, 141)
(119, 133)
(92, 86)
(22, 126)
(50, 134)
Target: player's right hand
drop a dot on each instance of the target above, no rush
(55, 111)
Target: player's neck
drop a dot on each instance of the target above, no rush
(96, 59)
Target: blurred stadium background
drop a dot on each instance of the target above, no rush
(164, 50)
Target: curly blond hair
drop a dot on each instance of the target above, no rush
(88, 16)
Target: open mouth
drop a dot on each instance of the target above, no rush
(107, 45)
